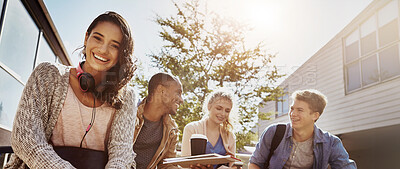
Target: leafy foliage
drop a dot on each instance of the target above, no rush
(207, 51)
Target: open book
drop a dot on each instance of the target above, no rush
(200, 159)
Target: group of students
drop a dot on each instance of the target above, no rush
(93, 107)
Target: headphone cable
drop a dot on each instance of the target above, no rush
(91, 120)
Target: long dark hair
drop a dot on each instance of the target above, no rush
(119, 75)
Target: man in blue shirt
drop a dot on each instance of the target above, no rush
(303, 145)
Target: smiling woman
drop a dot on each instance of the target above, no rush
(216, 125)
(101, 48)
(57, 115)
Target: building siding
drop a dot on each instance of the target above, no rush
(362, 109)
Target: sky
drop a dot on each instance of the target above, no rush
(294, 30)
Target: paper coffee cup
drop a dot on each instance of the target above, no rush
(198, 144)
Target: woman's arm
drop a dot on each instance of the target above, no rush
(28, 138)
(120, 145)
(232, 145)
(187, 133)
(232, 142)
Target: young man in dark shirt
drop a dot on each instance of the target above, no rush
(156, 133)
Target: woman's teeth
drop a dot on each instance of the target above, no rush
(100, 58)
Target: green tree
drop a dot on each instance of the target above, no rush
(207, 51)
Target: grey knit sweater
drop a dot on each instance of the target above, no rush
(41, 103)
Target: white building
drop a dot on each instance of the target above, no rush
(359, 71)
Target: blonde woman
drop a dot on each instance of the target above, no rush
(216, 124)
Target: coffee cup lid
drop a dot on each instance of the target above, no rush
(199, 136)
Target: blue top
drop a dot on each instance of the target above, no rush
(328, 149)
(218, 148)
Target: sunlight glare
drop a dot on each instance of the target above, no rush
(258, 14)
(263, 15)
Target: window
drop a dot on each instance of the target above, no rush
(369, 69)
(388, 24)
(45, 54)
(10, 91)
(1, 4)
(282, 107)
(19, 39)
(368, 36)
(372, 51)
(353, 71)
(389, 68)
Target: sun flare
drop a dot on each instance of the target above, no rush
(262, 15)
(258, 14)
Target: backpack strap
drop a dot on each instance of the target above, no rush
(276, 140)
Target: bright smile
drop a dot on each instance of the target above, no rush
(295, 120)
(220, 118)
(100, 58)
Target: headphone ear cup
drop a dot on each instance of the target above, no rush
(86, 82)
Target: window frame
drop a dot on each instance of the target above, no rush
(375, 52)
(282, 103)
